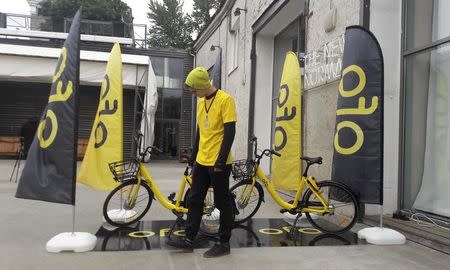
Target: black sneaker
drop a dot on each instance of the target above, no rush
(181, 243)
(218, 250)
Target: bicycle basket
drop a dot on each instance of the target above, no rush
(124, 170)
(242, 169)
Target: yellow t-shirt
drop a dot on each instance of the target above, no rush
(212, 114)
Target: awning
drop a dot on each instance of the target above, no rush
(37, 64)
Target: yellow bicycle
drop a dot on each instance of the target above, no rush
(329, 206)
(130, 201)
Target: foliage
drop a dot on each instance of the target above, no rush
(201, 14)
(101, 10)
(170, 28)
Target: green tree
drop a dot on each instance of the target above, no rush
(170, 28)
(201, 13)
(100, 10)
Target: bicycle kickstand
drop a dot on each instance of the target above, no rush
(171, 229)
(293, 229)
(177, 221)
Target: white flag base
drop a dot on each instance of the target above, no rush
(121, 215)
(68, 241)
(382, 236)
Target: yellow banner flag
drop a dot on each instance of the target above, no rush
(286, 170)
(106, 141)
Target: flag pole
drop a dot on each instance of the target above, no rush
(381, 216)
(73, 219)
(368, 64)
(380, 235)
(74, 241)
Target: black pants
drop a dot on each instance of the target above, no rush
(204, 177)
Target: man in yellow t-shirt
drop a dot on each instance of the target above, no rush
(211, 161)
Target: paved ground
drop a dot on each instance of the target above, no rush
(27, 225)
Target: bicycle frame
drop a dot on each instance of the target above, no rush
(145, 174)
(309, 181)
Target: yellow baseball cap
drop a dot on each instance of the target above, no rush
(198, 78)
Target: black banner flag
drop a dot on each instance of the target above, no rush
(50, 171)
(358, 141)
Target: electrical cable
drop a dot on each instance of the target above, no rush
(425, 221)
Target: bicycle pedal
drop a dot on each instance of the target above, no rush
(171, 197)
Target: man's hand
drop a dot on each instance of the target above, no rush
(191, 162)
(191, 165)
(219, 167)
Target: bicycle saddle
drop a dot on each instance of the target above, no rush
(310, 160)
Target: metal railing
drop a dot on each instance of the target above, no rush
(140, 36)
(137, 32)
(15, 21)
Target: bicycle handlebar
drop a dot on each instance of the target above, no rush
(275, 153)
(265, 152)
(149, 149)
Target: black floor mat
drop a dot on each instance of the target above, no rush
(147, 235)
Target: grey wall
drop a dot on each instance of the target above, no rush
(385, 23)
(237, 82)
(319, 103)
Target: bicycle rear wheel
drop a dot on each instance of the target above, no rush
(343, 205)
(120, 211)
(210, 221)
(246, 210)
(208, 202)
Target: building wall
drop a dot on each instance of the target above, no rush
(319, 119)
(347, 14)
(318, 133)
(319, 101)
(236, 82)
(385, 23)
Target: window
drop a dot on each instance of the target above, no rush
(173, 74)
(169, 81)
(426, 109)
(426, 22)
(158, 68)
(233, 47)
(171, 103)
(168, 71)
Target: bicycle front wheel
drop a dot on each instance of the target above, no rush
(343, 207)
(247, 200)
(127, 203)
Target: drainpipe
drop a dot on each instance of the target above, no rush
(194, 104)
(245, 41)
(251, 112)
